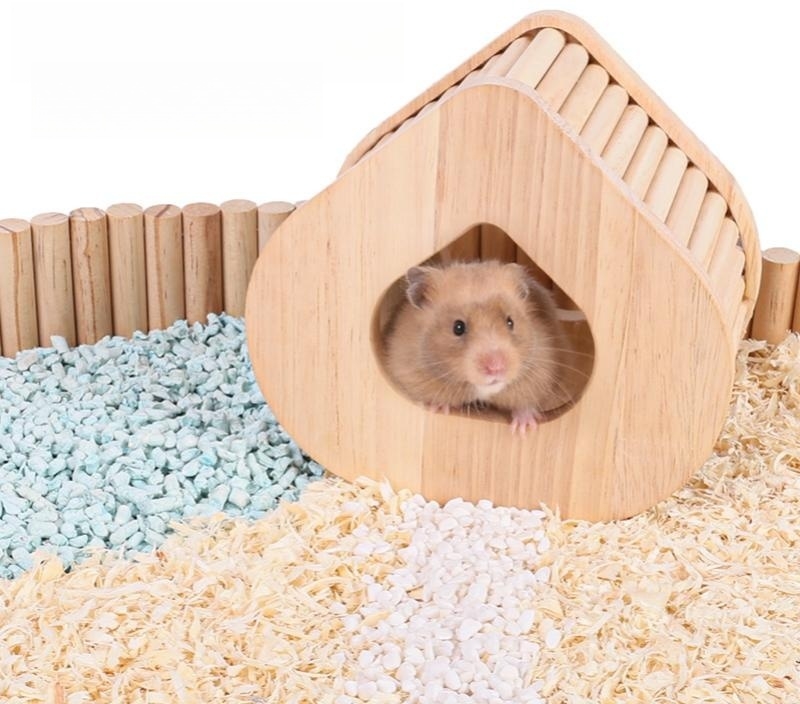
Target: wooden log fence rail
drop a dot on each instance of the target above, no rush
(94, 273)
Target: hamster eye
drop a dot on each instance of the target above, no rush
(459, 328)
(510, 323)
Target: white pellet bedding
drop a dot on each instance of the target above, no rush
(358, 593)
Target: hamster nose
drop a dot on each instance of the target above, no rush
(493, 363)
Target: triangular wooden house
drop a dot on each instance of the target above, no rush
(543, 147)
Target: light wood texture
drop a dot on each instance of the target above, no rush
(202, 261)
(626, 136)
(652, 408)
(583, 98)
(606, 66)
(725, 270)
(163, 237)
(91, 276)
(686, 206)
(501, 64)
(537, 57)
(774, 311)
(270, 216)
(604, 118)
(239, 251)
(666, 181)
(535, 270)
(562, 76)
(465, 248)
(562, 299)
(707, 227)
(646, 159)
(474, 76)
(128, 268)
(19, 328)
(496, 244)
(53, 274)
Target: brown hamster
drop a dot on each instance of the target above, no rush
(476, 332)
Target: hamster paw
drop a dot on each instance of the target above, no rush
(523, 420)
(437, 407)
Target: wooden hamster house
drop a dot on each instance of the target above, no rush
(603, 154)
(549, 136)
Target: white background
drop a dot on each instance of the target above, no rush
(184, 100)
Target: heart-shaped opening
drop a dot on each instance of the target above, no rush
(546, 358)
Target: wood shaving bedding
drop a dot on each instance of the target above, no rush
(698, 599)
(227, 610)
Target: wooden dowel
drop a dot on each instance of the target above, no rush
(686, 206)
(91, 276)
(666, 181)
(163, 236)
(625, 138)
(425, 110)
(239, 251)
(496, 244)
(604, 118)
(726, 268)
(646, 159)
(405, 124)
(584, 96)
(706, 229)
(562, 76)
(52, 264)
(502, 65)
(537, 58)
(202, 261)
(470, 78)
(728, 257)
(128, 270)
(773, 314)
(381, 141)
(491, 61)
(19, 328)
(533, 268)
(270, 216)
(430, 106)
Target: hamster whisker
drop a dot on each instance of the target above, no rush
(563, 393)
(446, 392)
(543, 382)
(564, 350)
(564, 365)
(533, 373)
(446, 375)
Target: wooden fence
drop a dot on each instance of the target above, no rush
(94, 273)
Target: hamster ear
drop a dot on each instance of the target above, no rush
(418, 288)
(523, 280)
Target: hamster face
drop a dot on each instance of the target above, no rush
(476, 326)
(477, 342)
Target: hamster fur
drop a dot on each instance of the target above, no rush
(476, 332)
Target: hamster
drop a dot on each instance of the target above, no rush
(474, 333)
